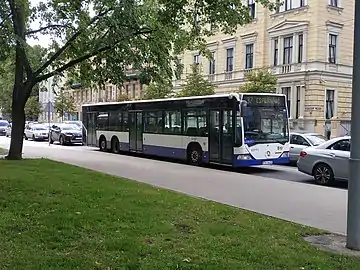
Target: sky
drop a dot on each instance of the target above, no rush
(43, 40)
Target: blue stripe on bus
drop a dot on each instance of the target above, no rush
(170, 152)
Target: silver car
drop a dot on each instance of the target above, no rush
(327, 162)
(299, 141)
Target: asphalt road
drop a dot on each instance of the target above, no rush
(279, 191)
(288, 173)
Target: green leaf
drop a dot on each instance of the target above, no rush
(196, 84)
(260, 81)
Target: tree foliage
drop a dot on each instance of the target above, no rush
(97, 40)
(64, 104)
(260, 81)
(158, 90)
(33, 108)
(196, 84)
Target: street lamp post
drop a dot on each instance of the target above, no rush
(353, 218)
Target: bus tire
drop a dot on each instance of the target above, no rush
(102, 144)
(115, 145)
(194, 154)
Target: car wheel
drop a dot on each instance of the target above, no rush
(323, 174)
(33, 138)
(61, 140)
(26, 138)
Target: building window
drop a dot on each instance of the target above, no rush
(127, 89)
(249, 50)
(287, 92)
(288, 49)
(229, 59)
(302, 3)
(196, 59)
(330, 102)
(134, 90)
(298, 98)
(332, 48)
(212, 63)
(276, 52)
(333, 3)
(301, 48)
(288, 4)
(251, 6)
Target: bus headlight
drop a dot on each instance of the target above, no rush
(285, 154)
(244, 157)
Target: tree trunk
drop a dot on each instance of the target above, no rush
(17, 132)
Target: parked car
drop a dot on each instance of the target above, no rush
(66, 134)
(299, 141)
(327, 162)
(81, 127)
(3, 126)
(36, 132)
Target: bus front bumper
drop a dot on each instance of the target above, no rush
(246, 162)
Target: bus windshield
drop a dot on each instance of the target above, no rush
(265, 121)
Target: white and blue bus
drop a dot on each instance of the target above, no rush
(234, 129)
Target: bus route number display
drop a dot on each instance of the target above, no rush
(264, 100)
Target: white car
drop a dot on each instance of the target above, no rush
(299, 141)
(37, 132)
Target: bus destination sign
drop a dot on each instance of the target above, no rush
(257, 100)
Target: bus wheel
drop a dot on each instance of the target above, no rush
(102, 144)
(115, 146)
(194, 153)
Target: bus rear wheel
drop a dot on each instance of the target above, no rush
(102, 144)
(194, 155)
(115, 146)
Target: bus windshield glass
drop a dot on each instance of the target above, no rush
(265, 119)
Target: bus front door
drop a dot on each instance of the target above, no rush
(136, 131)
(220, 137)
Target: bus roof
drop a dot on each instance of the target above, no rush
(230, 95)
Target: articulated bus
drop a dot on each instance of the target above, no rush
(234, 129)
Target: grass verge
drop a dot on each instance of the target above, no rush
(57, 216)
(3, 151)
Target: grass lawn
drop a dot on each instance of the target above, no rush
(3, 151)
(57, 216)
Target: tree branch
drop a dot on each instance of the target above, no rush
(86, 56)
(68, 43)
(31, 32)
(5, 19)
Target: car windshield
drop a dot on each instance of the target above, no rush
(316, 139)
(265, 121)
(78, 124)
(4, 124)
(68, 127)
(40, 128)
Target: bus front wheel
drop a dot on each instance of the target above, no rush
(102, 144)
(194, 154)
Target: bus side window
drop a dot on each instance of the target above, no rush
(172, 123)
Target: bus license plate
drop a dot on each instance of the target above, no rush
(267, 162)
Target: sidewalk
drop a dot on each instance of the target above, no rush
(312, 205)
